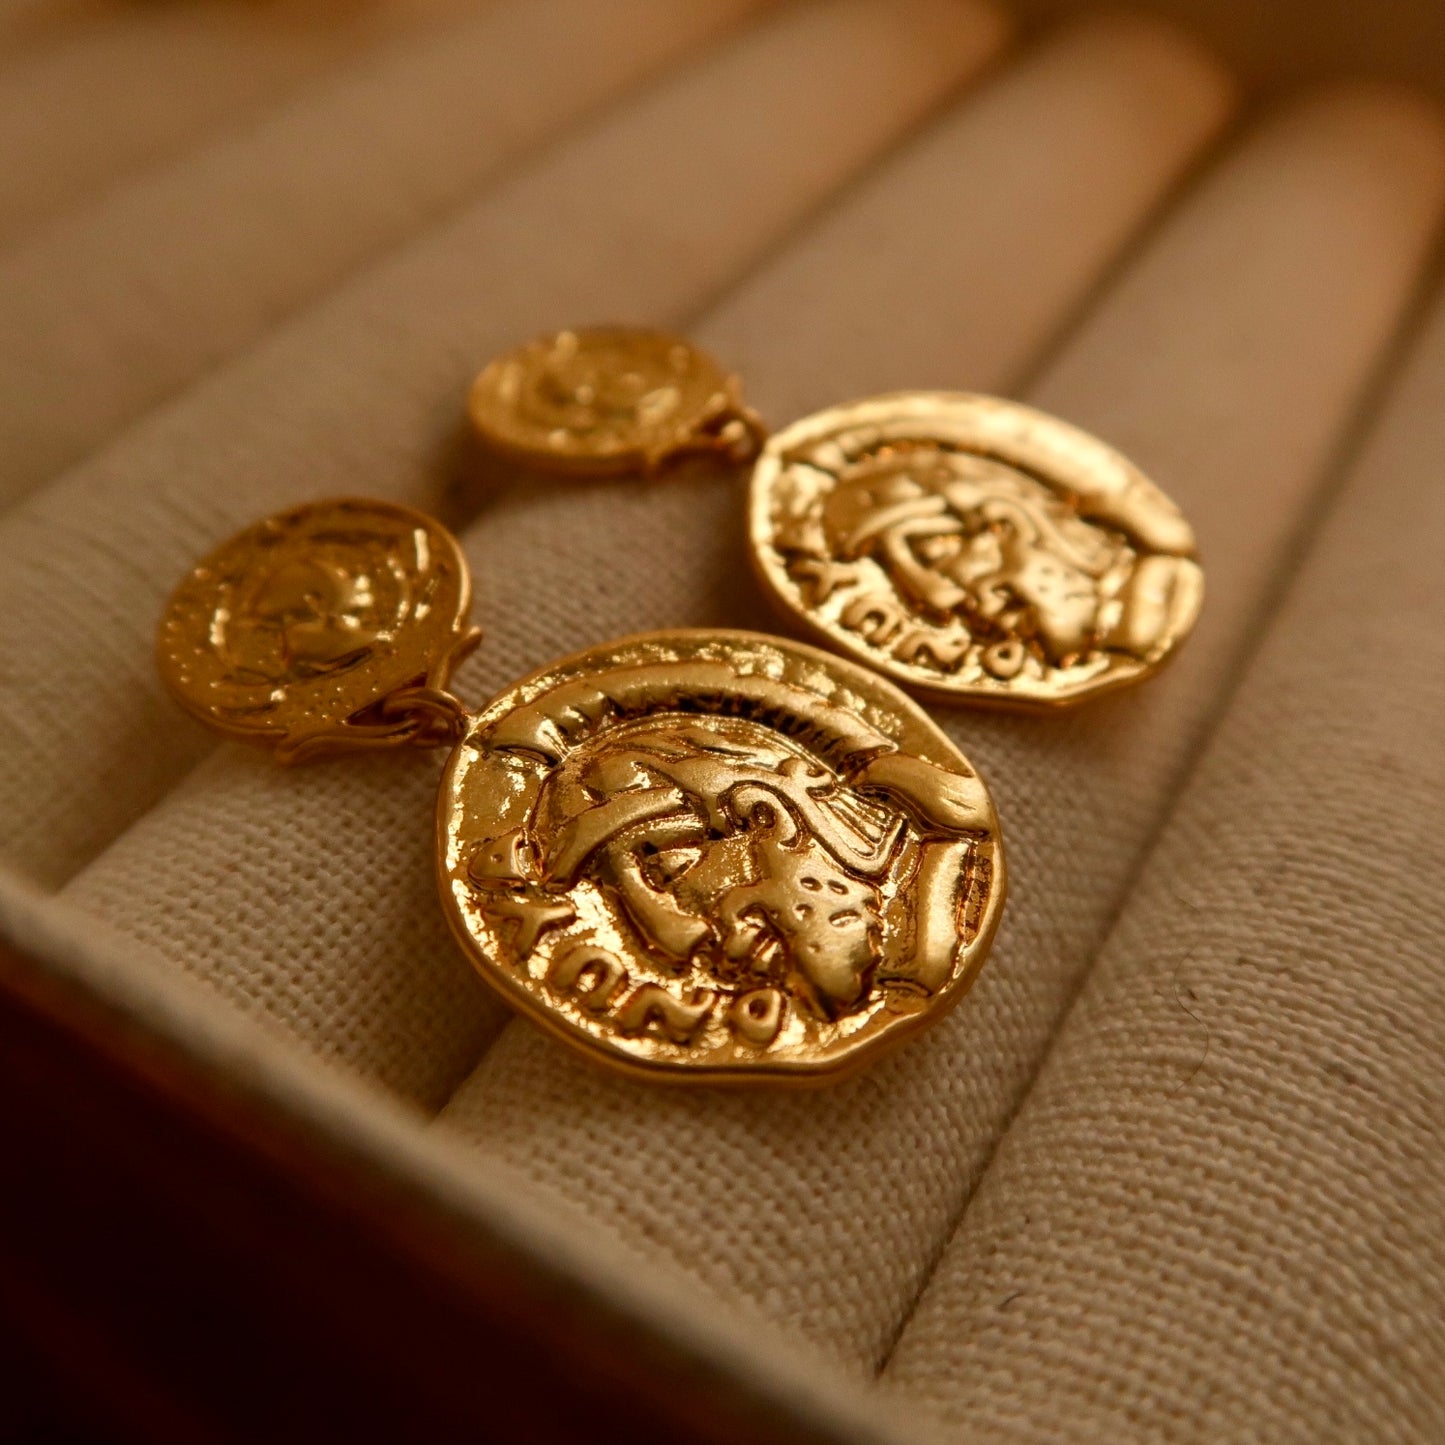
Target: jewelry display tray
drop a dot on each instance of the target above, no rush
(280, 1167)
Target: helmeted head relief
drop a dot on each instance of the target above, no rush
(718, 839)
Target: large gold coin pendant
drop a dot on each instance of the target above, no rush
(323, 629)
(973, 549)
(718, 857)
(604, 401)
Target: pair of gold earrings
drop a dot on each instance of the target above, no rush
(715, 856)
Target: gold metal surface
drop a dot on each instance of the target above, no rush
(324, 629)
(973, 548)
(610, 400)
(718, 857)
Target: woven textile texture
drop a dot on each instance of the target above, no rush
(91, 92)
(1168, 1171)
(307, 897)
(1218, 1215)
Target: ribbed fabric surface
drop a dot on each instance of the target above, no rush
(1218, 1215)
(90, 93)
(1169, 1172)
(121, 302)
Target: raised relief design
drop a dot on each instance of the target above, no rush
(972, 547)
(608, 400)
(719, 856)
(297, 630)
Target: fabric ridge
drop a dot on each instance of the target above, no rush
(1170, 1170)
(1229, 1165)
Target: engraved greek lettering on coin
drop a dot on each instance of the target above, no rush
(973, 548)
(718, 857)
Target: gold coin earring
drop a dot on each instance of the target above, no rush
(697, 856)
(610, 401)
(973, 549)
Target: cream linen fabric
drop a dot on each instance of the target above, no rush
(119, 303)
(970, 252)
(122, 85)
(308, 898)
(1154, 1293)
(1218, 1215)
(363, 394)
(827, 1210)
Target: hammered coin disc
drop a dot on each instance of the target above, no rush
(600, 401)
(718, 858)
(292, 627)
(972, 548)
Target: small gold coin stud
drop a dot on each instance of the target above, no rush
(607, 401)
(330, 627)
